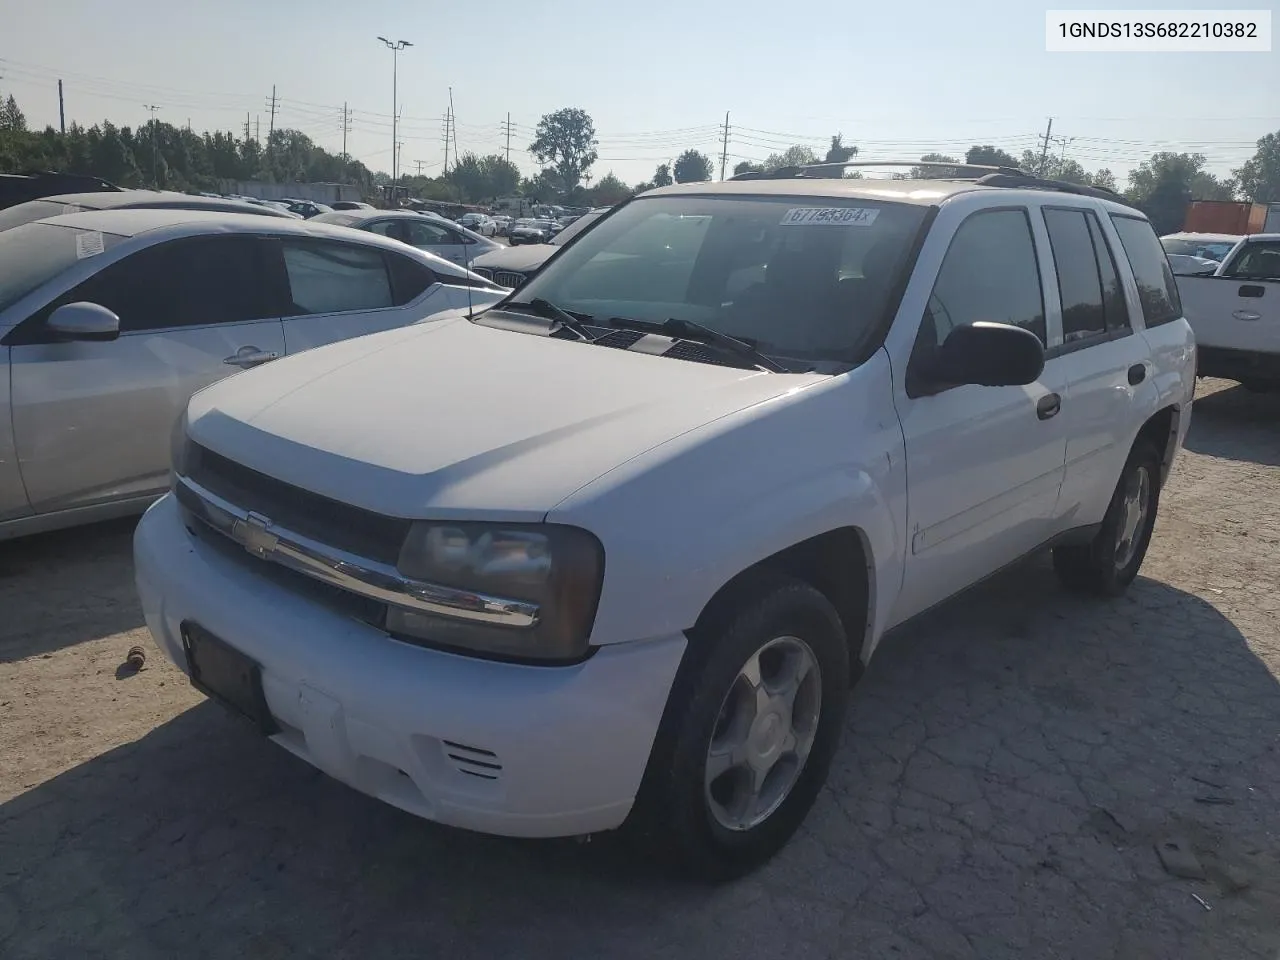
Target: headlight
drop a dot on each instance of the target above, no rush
(178, 445)
(557, 569)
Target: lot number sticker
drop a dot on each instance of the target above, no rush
(832, 216)
(88, 244)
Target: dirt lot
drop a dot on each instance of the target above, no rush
(1010, 766)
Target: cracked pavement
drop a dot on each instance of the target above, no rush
(1009, 766)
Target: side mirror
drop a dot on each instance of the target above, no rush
(83, 321)
(989, 355)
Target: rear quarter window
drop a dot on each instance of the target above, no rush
(1157, 290)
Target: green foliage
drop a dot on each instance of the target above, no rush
(796, 156)
(988, 155)
(936, 173)
(565, 141)
(746, 166)
(838, 152)
(11, 118)
(692, 167)
(478, 179)
(183, 159)
(609, 190)
(1259, 178)
(662, 175)
(1163, 186)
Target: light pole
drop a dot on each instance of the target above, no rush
(395, 54)
(155, 174)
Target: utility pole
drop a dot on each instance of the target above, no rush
(246, 128)
(453, 124)
(1044, 150)
(395, 115)
(62, 113)
(346, 128)
(419, 163)
(508, 132)
(271, 126)
(155, 169)
(448, 129)
(257, 128)
(724, 145)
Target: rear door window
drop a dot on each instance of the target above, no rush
(1157, 290)
(328, 276)
(1257, 261)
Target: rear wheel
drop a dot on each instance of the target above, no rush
(1110, 562)
(753, 720)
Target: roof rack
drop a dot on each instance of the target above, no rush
(980, 174)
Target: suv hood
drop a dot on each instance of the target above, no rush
(457, 419)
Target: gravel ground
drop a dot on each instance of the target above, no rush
(1014, 765)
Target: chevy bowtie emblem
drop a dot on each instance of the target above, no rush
(254, 534)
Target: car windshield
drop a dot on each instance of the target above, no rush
(575, 228)
(29, 212)
(539, 224)
(800, 278)
(35, 253)
(1208, 249)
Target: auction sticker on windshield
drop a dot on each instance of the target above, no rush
(88, 244)
(832, 216)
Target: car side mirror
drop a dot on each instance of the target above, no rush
(84, 321)
(988, 355)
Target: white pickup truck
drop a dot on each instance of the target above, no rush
(1235, 313)
(612, 552)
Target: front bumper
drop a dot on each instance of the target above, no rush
(500, 748)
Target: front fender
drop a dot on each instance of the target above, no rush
(683, 519)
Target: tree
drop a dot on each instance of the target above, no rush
(933, 173)
(988, 155)
(1103, 178)
(692, 167)
(662, 175)
(609, 190)
(1259, 178)
(566, 142)
(838, 152)
(746, 166)
(1163, 186)
(11, 118)
(796, 156)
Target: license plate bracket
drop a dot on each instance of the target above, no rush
(223, 673)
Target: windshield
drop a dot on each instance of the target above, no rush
(1208, 249)
(35, 253)
(575, 228)
(537, 224)
(799, 278)
(30, 211)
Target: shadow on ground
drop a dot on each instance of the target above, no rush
(1009, 763)
(64, 588)
(1235, 424)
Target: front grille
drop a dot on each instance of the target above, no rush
(484, 272)
(327, 521)
(507, 278)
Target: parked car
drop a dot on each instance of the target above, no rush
(132, 199)
(308, 208)
(1184, 265)
(511, 266)
(1210, 246)
(478, 223)
(18, 188)
(531, 231)
(611, 552)
(1235, 312)
(431, 232)
(111, 319)
(503, 224)
(352, 205)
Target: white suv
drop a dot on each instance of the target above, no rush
(612, 551)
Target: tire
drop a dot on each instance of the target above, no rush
(696, 825)
(1106, 566)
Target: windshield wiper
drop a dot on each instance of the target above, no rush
(562, 318)
(698, 333)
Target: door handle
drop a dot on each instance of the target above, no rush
(1251, 290)
(1048, 406)
(1246, 315)
(247, 357)
(1137, 373)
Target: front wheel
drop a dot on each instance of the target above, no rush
(752, 722)
(1107, 565)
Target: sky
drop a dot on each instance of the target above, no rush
(656, 77)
